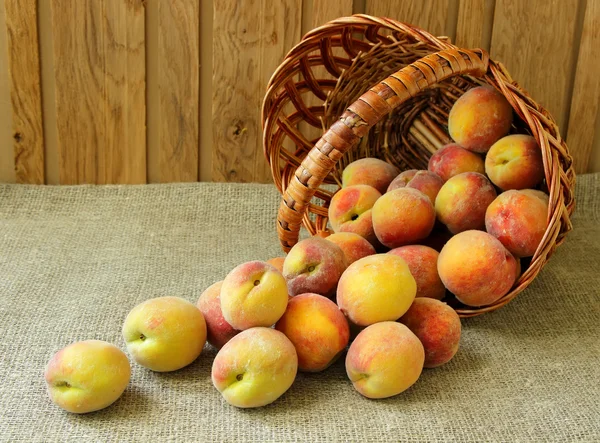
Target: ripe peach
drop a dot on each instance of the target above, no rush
(519, 220)
(253, 294)
(369, 171)
(477, 268)
(165, 333)
(463, 200)
(87, 376)
(425, 181)
(515, 162)
(376, 288)
(350, 211)
(437, 325)
(255, 367)
(318, 330)
(402, 216)
(453, 159)
(384, 360)
(277, 262)
(422, 262)
(218, 330)
(314, 265)
(479, 118)
(353, 245)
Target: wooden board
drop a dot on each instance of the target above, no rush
(100, 83)
(474, 26)
(586, 93)
(435, 16)
(26, 96)
(535, 40)
(250, 39)
(178, 85)
(7, 158)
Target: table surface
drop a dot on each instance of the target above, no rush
(75, 260)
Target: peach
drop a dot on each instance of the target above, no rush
(87, 376)
(253, 294)
(314, 265)
(519, 220)
(479, 118)
(218, 330)
(376, 288)
(425, 181)
(318, 330)
(255, 367)
(452, 159)
(402, 216)
(515, 162)
(437, 325)
(165, 333)
(422, 262)
(369, 171)
(384, 360)
(463, 200)
(477, 268)
(350, 211)
(277, 262)
(353, 245)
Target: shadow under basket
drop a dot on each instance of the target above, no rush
(365, 86)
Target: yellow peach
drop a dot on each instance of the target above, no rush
(369, 171)
(218, 330)
(87, 376)
(353, 245)
(350, 210)
(515, 162)
(453, 159)
(422, 262)
(255, 367)
(384, 360)
(165, 333)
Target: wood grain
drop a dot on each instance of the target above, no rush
(586, 92)
(534, 39)
(100, 81)
(435, 16)
(25, 92)
(178, 83)
(250, 39)
(474, 26)
(7, 157)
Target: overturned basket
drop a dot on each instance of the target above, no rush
(365, 86)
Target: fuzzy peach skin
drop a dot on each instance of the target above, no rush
(369, 171)
(519, 220)
(479, 118)
(350, 211)
(384, 360)
(218, 330)
(452, 159)
(425, 181)
(314, 265)
(277, 262)
(87, 376)
(438, 328)
(402, 216)
(255, 367)
(422, 262)
(353, 245)
(376, 288)
(477, 268)
(515, 162)
(165, 333)
(253, 294)
(463, 200)
(318, 330)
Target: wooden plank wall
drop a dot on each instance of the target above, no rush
(147, 91)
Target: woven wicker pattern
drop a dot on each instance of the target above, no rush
(387, 91)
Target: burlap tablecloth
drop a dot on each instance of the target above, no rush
(75, 260)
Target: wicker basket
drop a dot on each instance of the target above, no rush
(379, 88)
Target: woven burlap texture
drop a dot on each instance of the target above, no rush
(75, 260)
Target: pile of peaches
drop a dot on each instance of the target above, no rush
(402, 243)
